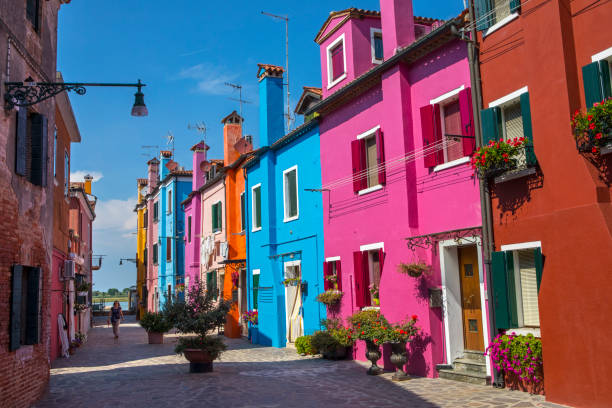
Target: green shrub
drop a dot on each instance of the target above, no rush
(369, 325)
(324, 342)
(155, 322)
(303, 345)
(213, 345)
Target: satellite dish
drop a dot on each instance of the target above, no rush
(171, 165)
(242, 146)
(205, 166)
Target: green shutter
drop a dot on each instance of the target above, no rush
(32, 306)
(604, 69)
(219, 215)
(515, 6)
(491, 124)
(243, 211)
(213, 217)
(527, 129)
(483, 16)
(214, 284)
(500, 290)
(596, 78)
(293, 199)
(539, 265)
(16, 308)
(255, 290)
(511, 283)
(209, 281)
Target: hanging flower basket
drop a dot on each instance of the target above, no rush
(330, 297)
(593, 130)
(413, 269)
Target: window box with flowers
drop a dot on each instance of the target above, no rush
(593, 129)
(502, 156)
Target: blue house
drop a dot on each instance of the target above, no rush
(284, 219)
(174, 187)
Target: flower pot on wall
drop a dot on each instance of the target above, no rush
(156, 338)
(200, 361)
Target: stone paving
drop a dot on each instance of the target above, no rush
(128, 372)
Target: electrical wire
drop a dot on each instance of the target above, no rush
(485, 16)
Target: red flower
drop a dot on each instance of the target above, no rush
(594, 150)
(590, 118)
(598, 136)
(415, 317)
(505, 155)
(362, 332)
(506, 160)
(577, 112)
(592, 126)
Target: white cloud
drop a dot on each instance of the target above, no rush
(79, 175)
(116, 215)
(209, 79)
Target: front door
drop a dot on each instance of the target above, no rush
(293, 301)
(470, 298)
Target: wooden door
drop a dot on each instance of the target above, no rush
(470, 299)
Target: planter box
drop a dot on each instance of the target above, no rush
(156, 338)
(514, 382)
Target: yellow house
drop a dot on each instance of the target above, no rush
(141, 245)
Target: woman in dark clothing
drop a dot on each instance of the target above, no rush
(116, 315)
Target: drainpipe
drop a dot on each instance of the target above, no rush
(485, 196)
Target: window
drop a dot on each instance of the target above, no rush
(216, 217)
(169, 201)
(451, 124)
(368, 161)
(25, 306)
(509, 118)
(242, 211)
(376, 45)
(495, 13)
(256, 273)
(290, 194)
(332, 275)
(155, 254)
(189, 229)
(168, 249)
(145, 258)
(597, 79)
(256, 207)
(145, 219)
(516, 276)
(156, 211)
(368, 263)
(33, 13)
(31, 147)
(336, 62)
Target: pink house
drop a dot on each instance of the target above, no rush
(396, 187)
(152, 234)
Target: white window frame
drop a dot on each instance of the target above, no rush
(503, 102)
(500, 23)
(330, 81)
(332, 259)
(371, 247)
(253, 212)
(297, 193)
(365, 135)
(604, 55)
(446, 98)
(373, 32)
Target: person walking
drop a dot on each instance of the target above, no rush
(116, 315)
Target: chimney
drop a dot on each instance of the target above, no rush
(153, 174)
(271, 106)
(397, 19)
(232, 132)
(88, 180)
(199, 162)
(165, 159)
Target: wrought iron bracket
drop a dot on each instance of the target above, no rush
(460, 236)
(459, 136)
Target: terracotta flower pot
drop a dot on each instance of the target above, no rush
(156, 338)
(514, 382)
(200, 361)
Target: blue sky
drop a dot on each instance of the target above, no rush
(184, 50)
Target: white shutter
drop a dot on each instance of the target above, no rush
(529, 288)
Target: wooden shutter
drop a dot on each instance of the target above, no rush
(596, 78)
(515, 6)
(32, 306)
(209, 282)
(243, 211)
(16, 308)
(500, 290)
(337, 57)
(365, 270)
(467, 121)
(168, 249)
(327, 285)
(219, 216)
(36, 148)
(257, 198)
(21, 141)
(378, 46)
(380, 157)
(213, 217)
(539, 265)
(358, 161)
(491, 125)
(255, 291)
(527, 129)
(511, 285)
(44, 160)
(360, 299)
(483, 18)
(381, 260)
(339, 274)
(431, 126)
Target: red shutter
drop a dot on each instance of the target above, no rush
(358, 153)
(381, 259)
(337, 57)
(467, 122)
(327, 285)
(437, 121)
(339, 275)
(365, 270)
(429, 138)
(360, 300)
(380, 152)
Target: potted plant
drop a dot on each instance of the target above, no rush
(520, 359)
(370, 325)
(252, 318)
(330, 297)
(374, 291)
(335, 341)
(593, 130)
(415, 269)
(498, 157)
(397, 336)
(83, 289)
(155, 324)
(333, 279)
(199, 314)
(81, 338)
(304, 346)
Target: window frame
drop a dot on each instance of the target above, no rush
(331, 82)
(287, 218)
(155, 254)
(170, 202)
(254, 210)
(214, 209)
(365, 135)
(499, 23)
(443, 100)
(505, 101)
(373, 33)
(243, 211)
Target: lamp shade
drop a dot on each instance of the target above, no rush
(139, 108)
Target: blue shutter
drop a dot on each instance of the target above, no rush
(16, 308)
(483, 16)
(527, 129)
(491, 124)
(32, 306)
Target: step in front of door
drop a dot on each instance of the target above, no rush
(464, 376)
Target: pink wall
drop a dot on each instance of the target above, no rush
(151, 268)
(192, 249)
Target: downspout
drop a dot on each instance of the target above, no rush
(485, 196)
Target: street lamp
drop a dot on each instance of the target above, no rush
(28, 93)
(127, 260)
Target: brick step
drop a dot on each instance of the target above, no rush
(464, 376)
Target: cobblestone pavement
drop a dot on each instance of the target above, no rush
(131, 373)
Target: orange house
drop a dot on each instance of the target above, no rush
(236, 149)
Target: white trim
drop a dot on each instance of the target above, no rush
(292, 263)
(256, 272)
(447, 95)
(500, 24)
(253, 212)
(368, 132)
(526, 330)
(602, 55)
(297, 199)
(370, 247)
(456, 162)
(330, 82)
(332, 259)
(508, 98)
(522, 245)
(374, 30)
(370, 189)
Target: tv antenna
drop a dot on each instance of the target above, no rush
(170, 140)
(285, 18)
(239, 100)
(199, 127)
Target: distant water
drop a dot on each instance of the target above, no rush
(109, 304)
